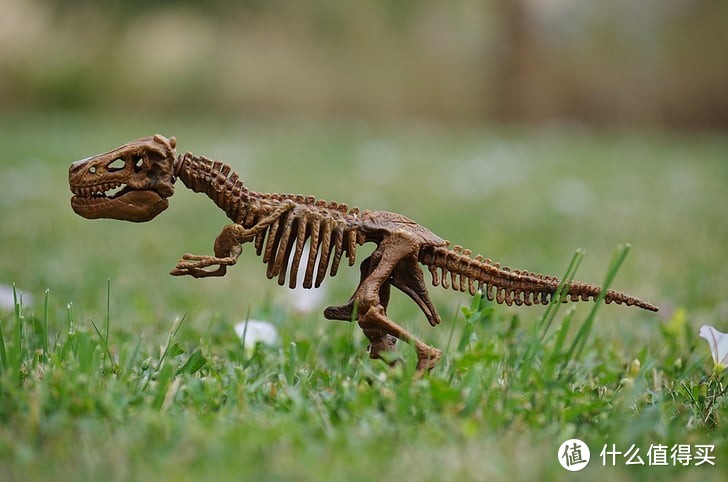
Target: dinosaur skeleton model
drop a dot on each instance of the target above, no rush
(133, 183)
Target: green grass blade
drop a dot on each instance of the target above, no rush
(3, 352)
(45, 325)
(172, 333)
(290, 368)
(194, 363)
(65, 348)
(134, 354)
(556, 300)
(582, 335)
(107, 322)
(556, 351)
(473, 314)
(85, 351)
(163, 380)
(535, 342)
(105, 346)
(470, 387)
(455, 322)
(18, 342)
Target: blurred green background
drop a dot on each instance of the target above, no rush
(522, 129)
(652, 62)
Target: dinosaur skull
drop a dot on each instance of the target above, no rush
(131, 183)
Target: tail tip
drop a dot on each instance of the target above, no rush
(649, 306)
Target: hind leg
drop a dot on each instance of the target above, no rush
(377, 327)
(372, 315)
(345, 312)
(407, 277)
(380, 341)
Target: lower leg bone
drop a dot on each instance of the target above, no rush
(376, 322)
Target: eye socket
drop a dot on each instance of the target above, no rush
(138, 165)
(116, 165)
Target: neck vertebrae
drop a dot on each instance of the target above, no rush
(217, 180)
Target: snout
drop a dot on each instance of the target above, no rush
(76, 168)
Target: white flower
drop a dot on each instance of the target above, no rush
(252, 332)
(718, 343)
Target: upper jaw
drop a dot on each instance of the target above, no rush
(109, 189)
(90, 178)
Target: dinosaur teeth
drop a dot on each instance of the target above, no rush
(108, 189)
(114, 189)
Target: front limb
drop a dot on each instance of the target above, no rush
(227, 251)
(227, 247)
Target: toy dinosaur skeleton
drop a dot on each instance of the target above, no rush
(133, 183)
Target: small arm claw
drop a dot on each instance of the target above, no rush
(194, 265)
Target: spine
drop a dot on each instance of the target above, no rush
(456, 269)
(218, 181)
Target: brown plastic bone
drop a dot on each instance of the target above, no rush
(133, 183)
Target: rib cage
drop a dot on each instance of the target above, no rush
(459, 271)
(330, 228)
(322, 225)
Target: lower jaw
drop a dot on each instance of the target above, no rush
(135, 206)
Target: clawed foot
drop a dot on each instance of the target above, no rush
(194, 265)
(383, 349)
(426, 360)
(427, 356)
(340, 312)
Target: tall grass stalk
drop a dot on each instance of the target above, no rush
(3, 351)
(582, 335)
(536, 341)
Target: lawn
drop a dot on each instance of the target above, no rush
(112, 370)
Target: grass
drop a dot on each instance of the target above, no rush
(116, 371)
